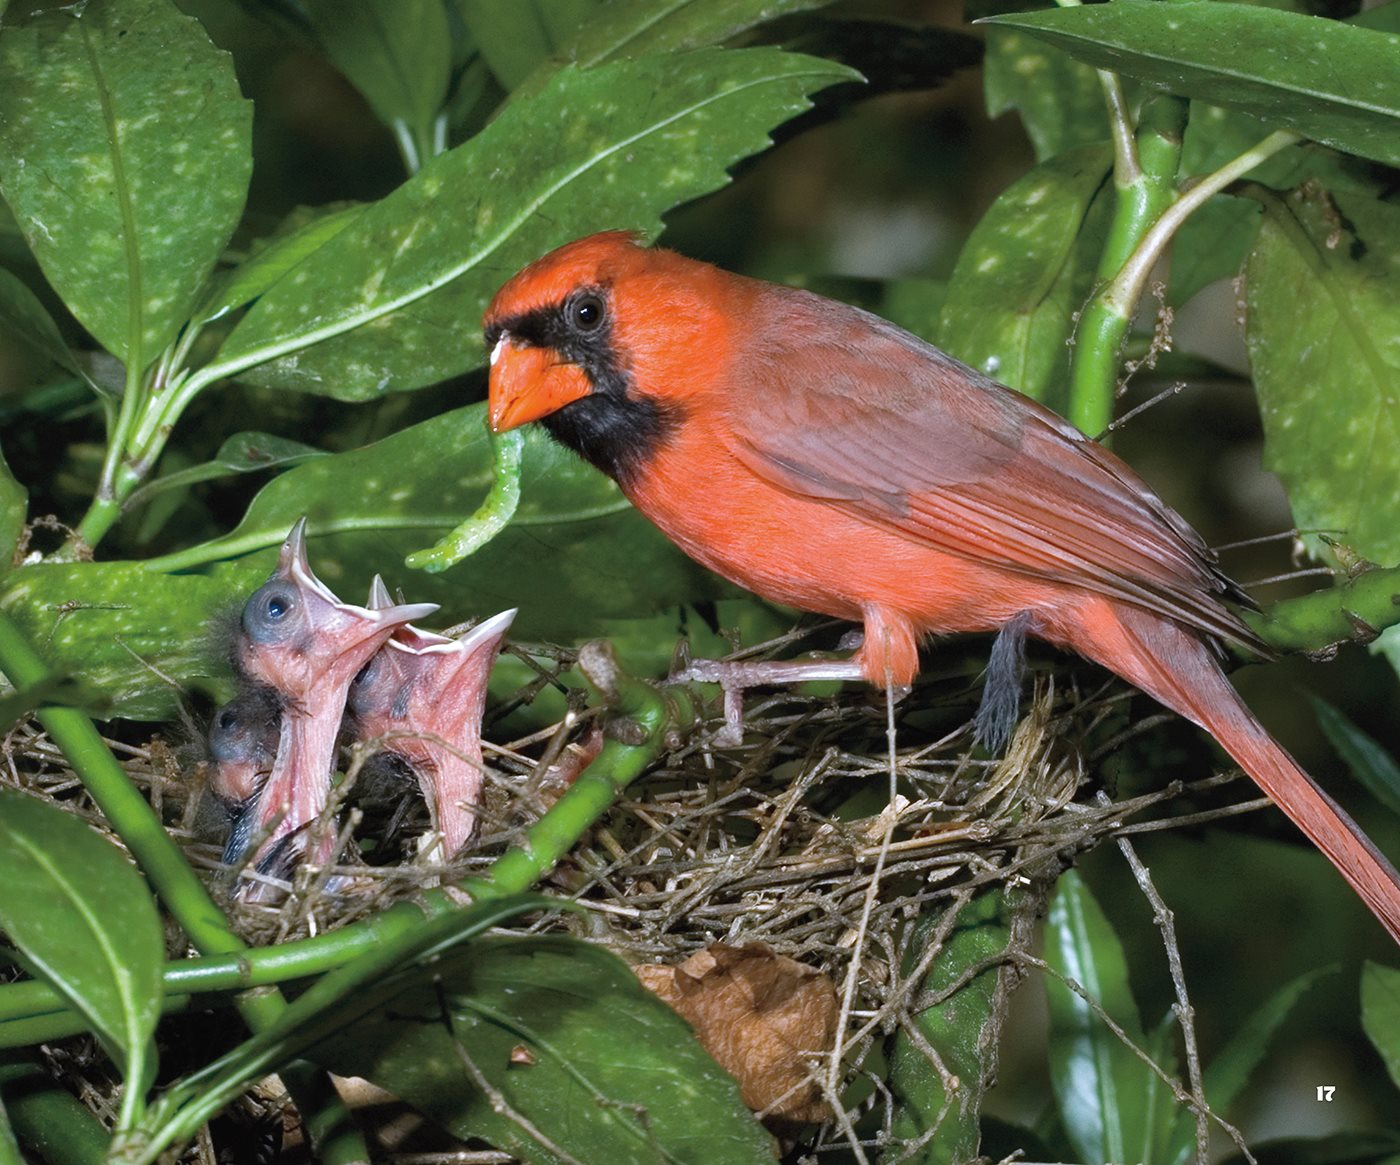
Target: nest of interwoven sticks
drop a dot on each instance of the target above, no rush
(825, 836)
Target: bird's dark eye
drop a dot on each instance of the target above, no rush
(269, 614)
(586, 313)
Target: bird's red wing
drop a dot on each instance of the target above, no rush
(872, 420)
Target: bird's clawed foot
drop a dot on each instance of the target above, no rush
(736, 676)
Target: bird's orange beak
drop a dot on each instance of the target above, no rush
(528, 383)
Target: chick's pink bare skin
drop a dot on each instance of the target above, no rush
(301, 640)
(422, 697)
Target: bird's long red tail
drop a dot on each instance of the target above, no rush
(1175, 667)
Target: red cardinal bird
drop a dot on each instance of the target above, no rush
(423, 695)
(300, 640)
(828, 460)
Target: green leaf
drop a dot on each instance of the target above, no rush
(1060, 100)
(85, 923)
(1335, 83)
(409, 278)
(962, 1030)
(1323, 329)
(302, 232)
(1380, 1013)
(1226, 1076)
(398, 53)
(14, 508)
(1368, 761)
(241, 453)
(613, 1074)
(128, 632)
(516, 35)
(1024, 273)
(125, 154)
(24, 315)
(1101, 1086)
(632, 28)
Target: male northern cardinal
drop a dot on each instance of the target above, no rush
(422, 697)
(305, 644)
(825, 459)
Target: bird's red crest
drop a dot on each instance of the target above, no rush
(594, 259)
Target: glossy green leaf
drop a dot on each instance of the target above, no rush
(1024, 273)
(1380, 1013)
(83, 920)
(1060, 100)
(517, 35)
(14, 509)
(304, 231)
(398, 53)
(613, 1074)
(1369, 762)
(962, 1030)
(1323, 329)
(125, 154)
(1100, 1084)
(1225, 1076)
(1332, 82)
(23, 314)
(394, 301)
(631, 28)
(241, 453)
(129, 632)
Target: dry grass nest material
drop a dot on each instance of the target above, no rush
(790, 840)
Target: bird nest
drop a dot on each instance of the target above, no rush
(824, 838)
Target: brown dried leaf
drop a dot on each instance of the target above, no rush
(762, 1016)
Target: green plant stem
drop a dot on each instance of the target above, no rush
(1110, 313)
(47, 1117)
(106, 503)
(177, 884)
(1125, 291)
(1355, 611)
(1144, 177)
